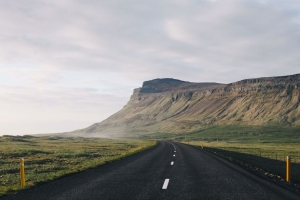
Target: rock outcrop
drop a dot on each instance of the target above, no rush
(174, 106)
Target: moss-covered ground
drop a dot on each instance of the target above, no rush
(47, 158)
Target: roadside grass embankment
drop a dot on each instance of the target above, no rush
(47, 158)
(234, 133)
(262, 149)
(268, 159)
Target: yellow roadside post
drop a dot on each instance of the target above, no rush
(22, 172)
(202, 145)
(288, 168)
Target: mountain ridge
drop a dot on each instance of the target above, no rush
(171, 105)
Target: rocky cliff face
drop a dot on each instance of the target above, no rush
(169, 105)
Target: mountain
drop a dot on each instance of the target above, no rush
(175, 106)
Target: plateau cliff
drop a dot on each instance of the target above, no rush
(174, 106)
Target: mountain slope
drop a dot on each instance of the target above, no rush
(169, 105)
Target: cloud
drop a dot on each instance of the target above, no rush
(48, 48)
(69, 108)
(114, 37)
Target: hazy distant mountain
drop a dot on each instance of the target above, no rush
(170, 105)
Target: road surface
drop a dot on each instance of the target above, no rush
(167, 171)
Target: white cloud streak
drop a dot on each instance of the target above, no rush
(58, 109)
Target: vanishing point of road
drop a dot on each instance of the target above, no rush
(167, 171)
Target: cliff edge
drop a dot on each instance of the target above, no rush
(175, 106)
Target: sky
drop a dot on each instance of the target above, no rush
(66, 64)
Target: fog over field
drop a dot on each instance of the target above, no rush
(65, 65)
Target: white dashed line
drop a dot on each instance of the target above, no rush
(173, 146)
(174, 151)
(174, 155)
(172, 163)
(165, 186)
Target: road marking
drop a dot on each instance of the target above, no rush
(173, 146)
(174, 155)
(172, 163)
(174, 151)
(165, 186)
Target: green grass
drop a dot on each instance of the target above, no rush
(276, 151)
(269, 157)
(239, 134)
(267, 142)
(47, 158)
(263, 147)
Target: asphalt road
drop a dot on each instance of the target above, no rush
(167, 171)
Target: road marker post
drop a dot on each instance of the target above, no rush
(288, 169)
(22, 172)
(202, 145)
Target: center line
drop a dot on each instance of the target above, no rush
(172, 163)
(165, 184)
(174, 155)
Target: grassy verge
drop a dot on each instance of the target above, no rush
(238, 134)
(265, 159)
(47, 158)
(261, 148)
(275, 151)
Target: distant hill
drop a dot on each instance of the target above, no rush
(175, 106)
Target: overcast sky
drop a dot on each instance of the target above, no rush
(66, 64)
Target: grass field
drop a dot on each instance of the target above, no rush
(47, 158)
(259, 146)
(268, 159)
(276, 151)
(239, 134)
